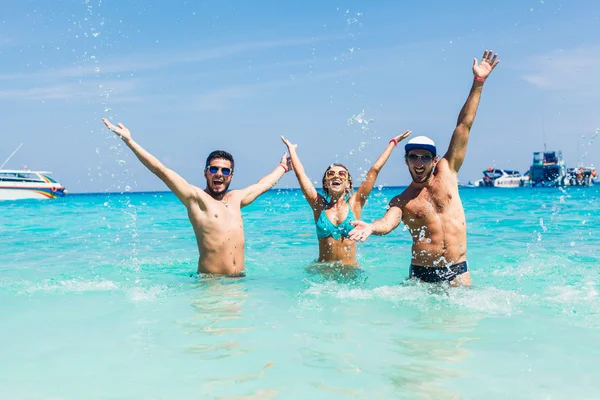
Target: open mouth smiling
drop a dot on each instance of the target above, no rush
(218, 182)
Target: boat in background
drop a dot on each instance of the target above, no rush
(582, 176)
(548, 170)
(25, 184)
(502, 178)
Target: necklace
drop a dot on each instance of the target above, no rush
(225, 202)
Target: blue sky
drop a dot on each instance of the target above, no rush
(189, 77)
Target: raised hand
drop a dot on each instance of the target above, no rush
(361, 231)
(288, 144)
(402, 136)
(487, 64)
(120, 129)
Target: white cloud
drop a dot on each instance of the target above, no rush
(68, 82)
(5, 42)
(219, 99)
(70, 91)
(566, 70)
(104, 65)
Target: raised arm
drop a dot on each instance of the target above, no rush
(308, 189)
(364, 190)
(458, 144)
(182, 189)
(265, 183)
(390, 221)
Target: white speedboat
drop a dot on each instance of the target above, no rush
(501, 178)
(25, 184)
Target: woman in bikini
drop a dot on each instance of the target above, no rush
(339, 205)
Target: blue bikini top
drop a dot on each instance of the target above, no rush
(326, 228)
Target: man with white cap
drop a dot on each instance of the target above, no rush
(430, 206)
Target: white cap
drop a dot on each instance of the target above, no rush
(421, 142)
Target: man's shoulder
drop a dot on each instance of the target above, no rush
(401, 199)
(443, 167)
(442, 164)
(201, 196)
(234, 194)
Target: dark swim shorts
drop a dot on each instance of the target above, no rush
(438, 274)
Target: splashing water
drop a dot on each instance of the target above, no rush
(594, 136)
(119, 276)
(360, 119)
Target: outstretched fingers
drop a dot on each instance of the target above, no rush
(487, 55)
(110, 126)
(354, 235)
(358, 233)
(493, 60)
(403, 136)
(289, 145)
(490, 57)
(359, 236)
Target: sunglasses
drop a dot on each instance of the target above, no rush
(412, 158)
(332, 174)
(214, 169)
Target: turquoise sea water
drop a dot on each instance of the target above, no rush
(97, 302)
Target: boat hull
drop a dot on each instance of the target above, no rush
(508, 183)
(26, 184)
(34, 193)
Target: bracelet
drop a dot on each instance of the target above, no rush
(394, 141)
(478, 79)
(285, 168)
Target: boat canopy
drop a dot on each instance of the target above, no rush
(497, 173)
(547, 157)
(23, 176)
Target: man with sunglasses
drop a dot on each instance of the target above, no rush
(214, 212)
(430, 206)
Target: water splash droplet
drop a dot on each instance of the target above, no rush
(594, 136)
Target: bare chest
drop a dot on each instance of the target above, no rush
(430, 203)
(217, 214)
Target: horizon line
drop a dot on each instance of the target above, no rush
(169, 191)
